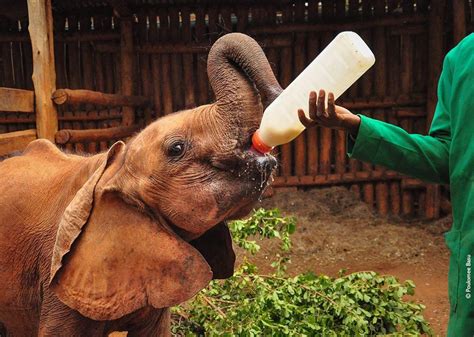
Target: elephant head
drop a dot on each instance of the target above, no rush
(148, 226)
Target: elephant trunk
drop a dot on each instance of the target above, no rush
(239, 72)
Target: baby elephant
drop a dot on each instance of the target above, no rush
(91, 245)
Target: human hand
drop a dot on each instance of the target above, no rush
(335, 116)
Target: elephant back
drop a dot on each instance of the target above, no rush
(35, 188)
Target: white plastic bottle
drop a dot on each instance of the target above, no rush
(335, 69)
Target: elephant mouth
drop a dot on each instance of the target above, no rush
(257, 174)
(251, 170)
(215, 246)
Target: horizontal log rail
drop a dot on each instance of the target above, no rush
(62, 37)
(79, 116)
(93, 115)
(16, 120)
(337, 178)
(86, 36)
(412, 184)
(412, 107)
(95, 135)
(185, 48)
(79, 96)
(14, 37)
(382, 103)
(17, 100)
(16, 141)
(63, 119)
(401, 20)
(339, 26)
(409, 30)
(350, 178)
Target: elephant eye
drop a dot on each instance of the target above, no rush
(176, 149)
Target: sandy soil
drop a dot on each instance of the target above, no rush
(336, 231)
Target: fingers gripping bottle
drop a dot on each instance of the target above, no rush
(335, 69)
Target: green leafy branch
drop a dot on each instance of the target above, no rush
(265, 224)
(250, 304)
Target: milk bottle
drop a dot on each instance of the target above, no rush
(335, 69)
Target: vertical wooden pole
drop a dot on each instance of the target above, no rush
(436, 48)
(312, 133)
(44, 75)
(379, 39)
(393, 68)
(88, 75)
(7, 69)
(286, 160)
(326, 144)
(299, 65)
(242, 15)
(153, 36)
(144, 62)
(166, 89)
(364, 88)
(176, 62)
(394, 186)
(459, 20)
(286, 69)
(201, 71)
(126, 66)
(188, 62)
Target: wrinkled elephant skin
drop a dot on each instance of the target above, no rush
(94, 244)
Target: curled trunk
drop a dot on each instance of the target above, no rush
(242, 79)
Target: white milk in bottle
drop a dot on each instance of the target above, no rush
(338, 66)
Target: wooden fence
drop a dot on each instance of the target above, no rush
(169, 46)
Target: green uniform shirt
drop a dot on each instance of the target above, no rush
(445, 155)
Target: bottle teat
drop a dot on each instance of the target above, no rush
(259, 145)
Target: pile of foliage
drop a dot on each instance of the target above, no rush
(253, 304)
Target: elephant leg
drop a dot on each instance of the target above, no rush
(59, 320)
(157, 324)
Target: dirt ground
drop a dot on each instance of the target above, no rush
(336, 231)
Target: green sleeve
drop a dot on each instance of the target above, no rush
(419, 156)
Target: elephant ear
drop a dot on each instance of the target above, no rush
(110, 259)
(77, 212)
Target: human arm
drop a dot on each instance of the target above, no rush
(421, 156)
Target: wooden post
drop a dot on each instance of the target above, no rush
(299, 65)
(326, 140)
(44, 74)
(368, 189)
(312, 133)
(379, 39)
(188, 62)
(126, 66)
(436, 48)
(459, 20)
(286, 161)
(201, 71)
(176, 62)
(286, 69)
